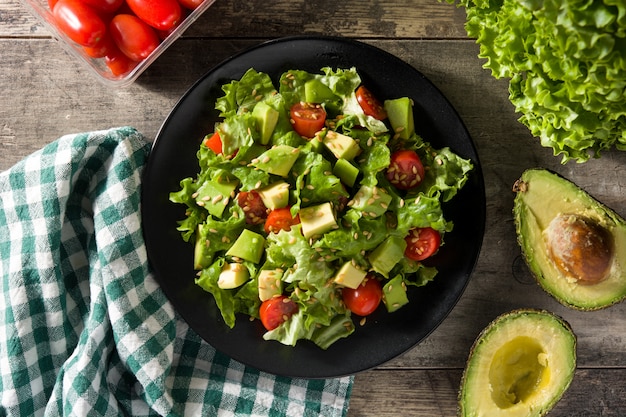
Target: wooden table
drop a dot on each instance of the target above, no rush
(46, 94)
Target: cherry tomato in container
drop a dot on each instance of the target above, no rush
(104, 6)
(103, 48)
(134, 37)
(191, 4)
(371, 105)
(364, 299)
(160, 14)
(307, 118)
(405, 170)
(79, 22)
(422, 243)
(277, 310)
(118, 63)
(280, 219)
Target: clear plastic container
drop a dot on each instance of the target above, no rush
(40, 9)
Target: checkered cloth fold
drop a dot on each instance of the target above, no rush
(84, 328)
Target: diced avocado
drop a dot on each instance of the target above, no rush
(573, 244)
(394, 294)
(316, 220)
(373, 201)
(400, 112)
(202, 257)
(349, 276)
(521, 364)
(232, 276)
(316, 91)
(275, 195)
(346, 172)
(266, 118)
(214, 195)
(387, 255)
(277, 160)
(248, 246)
(270, 283)
(341, 146)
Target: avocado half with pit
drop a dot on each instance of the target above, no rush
(519, 366)
(574, 245)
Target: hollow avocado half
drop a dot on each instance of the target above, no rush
(574, 245)
(520, 365)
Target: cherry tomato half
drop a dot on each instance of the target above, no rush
(307, 118)
(405, 170)
(280, 219)
(364, 299)
(421, 243)
(79, 22)
(214, 142)
(252, 204)
(134, 37)
(370, 104)
(160, 14)
(277, 310)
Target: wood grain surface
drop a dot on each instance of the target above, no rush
(46, 94)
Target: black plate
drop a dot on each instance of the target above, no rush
(384, 336)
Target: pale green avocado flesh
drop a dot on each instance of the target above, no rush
(519, 366)
(574, 245)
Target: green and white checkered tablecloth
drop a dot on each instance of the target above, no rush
(84, 328)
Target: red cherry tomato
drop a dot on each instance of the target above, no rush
(190, 4)
(421, 243)
(104, 6)
(307, 118)
(277, 310)
(364, 299)
(405, 170)
(105, 47)
(370, 104)
(214, 142)
(118, 63)
(134, 37)
(252, 204)
(280, 219)
(79, 22)
(160, 14)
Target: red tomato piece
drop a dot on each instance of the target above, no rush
(405, 170)
(422, 243)
(252, 204)
(79, 22)
(118, 63)
(370, 104)
(160, 14)
(214, 142)
(307, 118)
(191, 4)
(280, 219)
(364, 299)
(104, 6)
(134, 37)
(277, 310)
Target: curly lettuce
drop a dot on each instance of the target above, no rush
(566, 61)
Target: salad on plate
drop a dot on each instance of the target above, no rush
(316, 204)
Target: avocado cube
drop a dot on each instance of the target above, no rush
(400, 113)
(316, 220)
(277, 160)
(394, 294)
(270, 284)
(346, 172)
(202, 256)
(232, 276)
(387, 255)
(248, 246)
(214, 195)
(275, 195)
(266, 118)
(371, 200)
(315, 91)
(341, 146)
(349, 276)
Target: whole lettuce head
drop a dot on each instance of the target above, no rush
(566, 61)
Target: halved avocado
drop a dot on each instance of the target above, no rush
(519, 366)
(574, 245)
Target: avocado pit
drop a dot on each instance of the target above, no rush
(580, 248)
